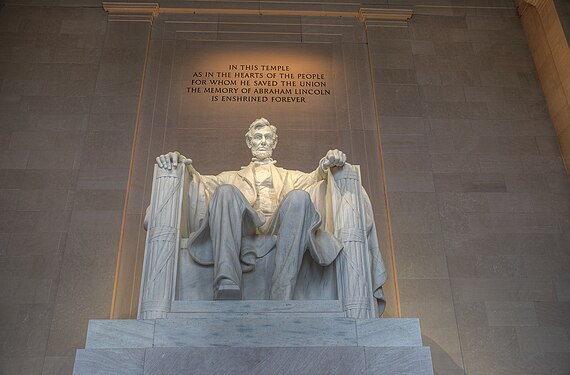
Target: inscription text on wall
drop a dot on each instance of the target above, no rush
(260, 83)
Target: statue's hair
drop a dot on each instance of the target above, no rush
(258, 124)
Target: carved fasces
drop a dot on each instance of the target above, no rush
(353, 262)
(162, 243)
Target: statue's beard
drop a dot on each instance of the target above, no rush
(262, 154)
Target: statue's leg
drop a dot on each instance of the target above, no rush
(226, 211)
(292, 225)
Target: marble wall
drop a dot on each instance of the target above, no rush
(478, 197)
(478, 194)
(69, 85)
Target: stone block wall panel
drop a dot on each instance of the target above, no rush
(69, 98)
(469, 152)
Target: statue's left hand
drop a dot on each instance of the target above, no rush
(333, 158)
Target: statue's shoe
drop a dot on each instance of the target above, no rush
(227, 291)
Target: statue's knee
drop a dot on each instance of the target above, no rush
(299, 197)
(225, 191)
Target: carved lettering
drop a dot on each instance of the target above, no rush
(260, 83)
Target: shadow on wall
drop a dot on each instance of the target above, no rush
(443, 364)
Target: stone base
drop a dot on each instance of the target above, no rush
(254, 345)
(339, 360)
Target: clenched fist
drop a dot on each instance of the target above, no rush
(333, 158)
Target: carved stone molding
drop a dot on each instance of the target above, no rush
(123, 11)
(381, 17)
(142, 12)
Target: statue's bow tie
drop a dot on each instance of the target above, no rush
(263, 162)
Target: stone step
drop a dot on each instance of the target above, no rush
(254, 315)
(253, 332)
(252, 308)
(275, 360)
(257, 306)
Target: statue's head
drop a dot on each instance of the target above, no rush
(261, 138)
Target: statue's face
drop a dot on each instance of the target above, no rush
(263, 143)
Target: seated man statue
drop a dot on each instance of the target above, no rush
(257, 209)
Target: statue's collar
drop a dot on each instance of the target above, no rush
(263, 162)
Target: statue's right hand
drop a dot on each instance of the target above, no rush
(171, 159)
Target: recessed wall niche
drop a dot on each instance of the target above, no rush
(204, 86)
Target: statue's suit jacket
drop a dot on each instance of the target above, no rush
(283, 181)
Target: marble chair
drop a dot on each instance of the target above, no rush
(172, 279)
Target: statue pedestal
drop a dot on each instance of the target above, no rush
(255, 337)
